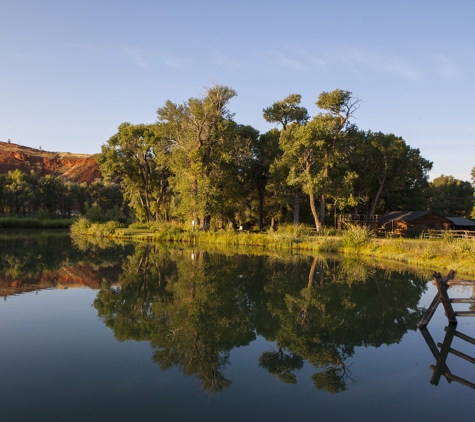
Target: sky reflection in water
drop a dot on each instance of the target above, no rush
(223, 336)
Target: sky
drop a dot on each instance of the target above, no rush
(72, 71)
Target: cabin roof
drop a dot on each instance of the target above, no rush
(405, 216)
(461, 221)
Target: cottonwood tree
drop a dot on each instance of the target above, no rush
(450, 197)
(314, 152)
(196, 130)
(139, 155)
(285, 112)
(254, 155)
(391, 174)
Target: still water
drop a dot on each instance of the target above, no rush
(104, 332)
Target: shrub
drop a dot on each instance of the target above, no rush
(356, 236)
(81, 225)
(139, 226)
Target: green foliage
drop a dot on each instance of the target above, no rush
(391, 174)
(197, 164)
(95, 214)
(205, 306)
(50, 196)
(450, 197)
(286, 111)
(139, 155)
(356, 236)
(84, 226)
(202, 144)
(281, 364)
(80, 226)
(313, 159)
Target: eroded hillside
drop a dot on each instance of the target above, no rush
(75, 167)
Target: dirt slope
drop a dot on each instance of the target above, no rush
(75, 167)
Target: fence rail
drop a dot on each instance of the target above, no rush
(456, 234)
(366, 218)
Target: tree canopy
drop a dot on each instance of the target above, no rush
(196, 163)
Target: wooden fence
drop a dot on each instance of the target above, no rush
(441, 351)
(456, 234)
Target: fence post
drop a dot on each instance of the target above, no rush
(444, 297)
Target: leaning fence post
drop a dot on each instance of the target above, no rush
(435, 302)
(444, 297)
(444, 352)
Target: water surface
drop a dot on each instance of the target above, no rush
(122, 332)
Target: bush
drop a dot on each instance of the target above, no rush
(81, 225)
(139, 226)
(85, 227)
(356, 236)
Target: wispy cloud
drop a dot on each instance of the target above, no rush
(289, 62)
(133, 55)
(446, 66)
(389, 63)
(89, 48)
(229, 63)
(16, 55)
(173, 61)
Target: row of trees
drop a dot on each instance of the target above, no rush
(197, 163)
(32, 194)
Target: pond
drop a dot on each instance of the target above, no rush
(128, 332)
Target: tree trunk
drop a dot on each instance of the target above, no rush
(374, 203)
(322, 209)
(194, 193)
(311, 274)
(261, 209)
(318, 224)
(298, 195)
(272, 224)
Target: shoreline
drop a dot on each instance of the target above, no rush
(431, 254)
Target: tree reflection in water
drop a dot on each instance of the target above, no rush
(195, 308)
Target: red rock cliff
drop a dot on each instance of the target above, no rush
(75, 167)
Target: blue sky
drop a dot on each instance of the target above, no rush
(72, 71)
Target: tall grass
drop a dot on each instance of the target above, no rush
(355, 236)
(436, 254)
(83, 226)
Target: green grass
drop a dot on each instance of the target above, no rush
(439, 254)
(434, 254)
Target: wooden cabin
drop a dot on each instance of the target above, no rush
(461, 223)
(410, 222)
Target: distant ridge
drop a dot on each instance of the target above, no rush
(74, 167)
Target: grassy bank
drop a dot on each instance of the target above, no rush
(438, 254)
(35, 223)
(433, 254)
